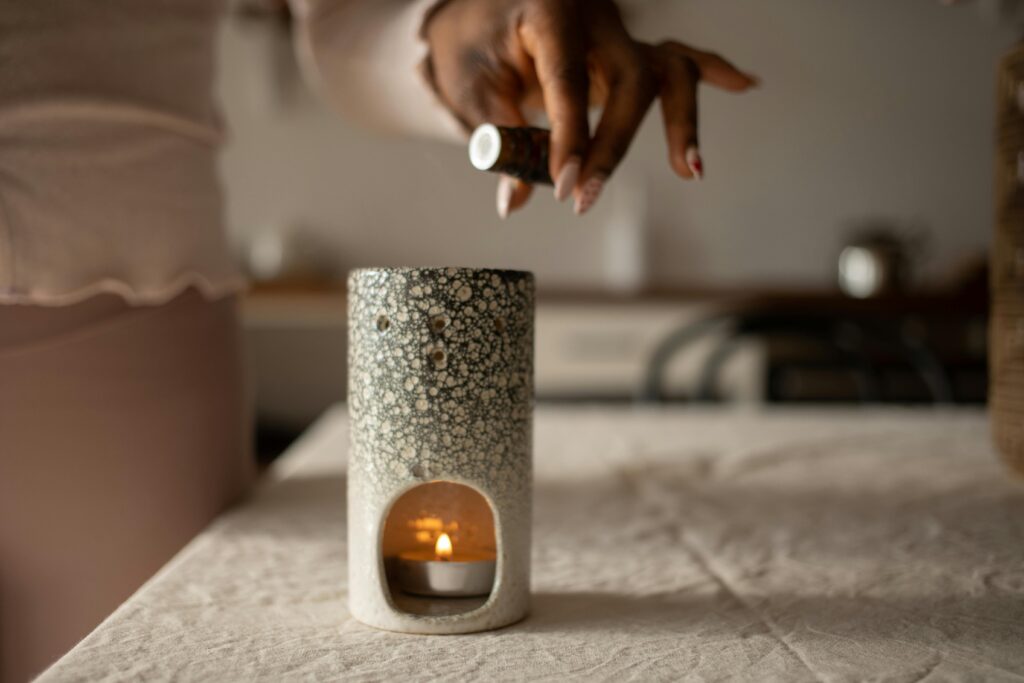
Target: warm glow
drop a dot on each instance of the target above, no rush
(428, 523)
(426, 529)
(443, 547)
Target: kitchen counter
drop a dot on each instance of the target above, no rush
(694, 543)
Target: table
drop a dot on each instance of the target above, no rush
(817, 544)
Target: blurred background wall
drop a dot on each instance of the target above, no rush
(871, 111)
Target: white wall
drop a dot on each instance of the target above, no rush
(870, 108)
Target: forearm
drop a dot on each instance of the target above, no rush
(365, 58)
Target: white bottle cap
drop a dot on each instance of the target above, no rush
(485, 147)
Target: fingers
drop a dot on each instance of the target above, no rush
(682, 67)
(551, 35)
(631, 90)
(679, 112)
(713, 69)
(512, 194)
(481, 103)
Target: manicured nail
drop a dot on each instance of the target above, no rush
(567, 178)
(694, 161)
(504, 199)
(588, 195)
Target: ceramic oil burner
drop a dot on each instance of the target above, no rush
(440, 466)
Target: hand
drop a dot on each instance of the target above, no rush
(492, 59)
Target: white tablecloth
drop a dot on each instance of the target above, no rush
(669, 544)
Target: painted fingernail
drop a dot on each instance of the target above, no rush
(694, 161)
(504, 198)
(567, 178)
(588, 195)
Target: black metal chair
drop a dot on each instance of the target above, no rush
(846, 338)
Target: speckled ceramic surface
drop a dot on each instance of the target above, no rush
(440, 389)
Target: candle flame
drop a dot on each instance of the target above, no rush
(443, 547)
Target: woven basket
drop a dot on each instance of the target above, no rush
(1006, 358)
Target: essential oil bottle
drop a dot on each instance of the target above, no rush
(518, 152)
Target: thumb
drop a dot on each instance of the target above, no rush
(512, 194)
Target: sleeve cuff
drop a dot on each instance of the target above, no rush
(365, 58)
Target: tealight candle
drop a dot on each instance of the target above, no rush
(445, 573)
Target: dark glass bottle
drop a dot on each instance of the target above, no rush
(518, 152)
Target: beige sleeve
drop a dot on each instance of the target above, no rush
(364, 57)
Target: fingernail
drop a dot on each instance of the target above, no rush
(694, 161)
(588, 195)
(567, 178)
(504, 198)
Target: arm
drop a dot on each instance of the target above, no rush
(499, 61)
(365, 58)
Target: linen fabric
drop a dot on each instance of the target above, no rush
(669, 545)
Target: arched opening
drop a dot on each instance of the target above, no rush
(439, 549)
